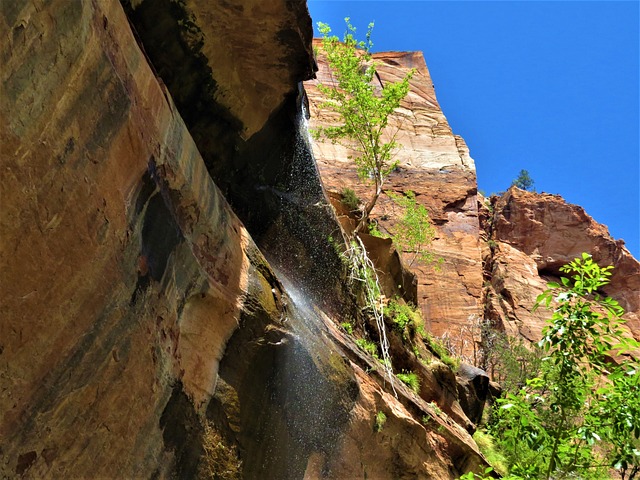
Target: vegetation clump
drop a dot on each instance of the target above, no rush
(411, 380)
(414, 231)
(487, 446)
(347, 327)
(219, 460)
(349, 199)
(579, 414)
(368, 346)
(440, 350)
(405, 318)
(381, 419)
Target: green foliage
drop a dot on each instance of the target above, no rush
(374, 230)
(405, 318)
(581, 414)
(488, 448)
(381, 419)
(476, 476)
(414, 231)
(411, 380)
(368, 346)
(524, 181)
(508, 360)
(338, 248)
(364, 108)
(349, 199)
(436, 408)
(438, 348)
(347, 327)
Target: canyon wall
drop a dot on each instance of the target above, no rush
(497, 254)
(529, 236)
(171, 288)
(435, 164)
(143, 333)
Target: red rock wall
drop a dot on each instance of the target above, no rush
(532, 235)
(117, 252)
(135, 308)
(436, 165)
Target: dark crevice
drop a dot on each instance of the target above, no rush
(182, 433)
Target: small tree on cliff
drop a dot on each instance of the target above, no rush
(364, 109)
(524, 181)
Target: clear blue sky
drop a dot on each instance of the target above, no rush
(550, 87)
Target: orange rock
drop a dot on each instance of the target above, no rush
(435, 164)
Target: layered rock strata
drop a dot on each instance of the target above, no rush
(124, 271)
(233, 69)
(435, 164)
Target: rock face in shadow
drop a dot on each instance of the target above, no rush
(233, 69)
(435, 164)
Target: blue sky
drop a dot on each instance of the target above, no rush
(550, 87)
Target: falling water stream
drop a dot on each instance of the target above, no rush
(310, 388)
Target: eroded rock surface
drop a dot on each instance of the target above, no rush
(125, 272)
(137, 313)
(530, 237)
(234, 69)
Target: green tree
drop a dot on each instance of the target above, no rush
(581, 414)
(364, 109)
(524, 181)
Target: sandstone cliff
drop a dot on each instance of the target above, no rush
(529, 236)
(435, 164)
(169, 296)
(497, 254)
(143, 333)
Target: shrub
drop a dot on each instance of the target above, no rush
(490, 451)
(411, 380)
(413, 233)
(368, 346)
(381, 419)
(581, 413)
(347, 327)
(405, 318)
(349, 199)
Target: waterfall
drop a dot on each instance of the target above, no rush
(362, 268)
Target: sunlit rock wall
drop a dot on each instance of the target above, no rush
(435, 164)
(124, 271)
(530, 236)
(136, 312)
